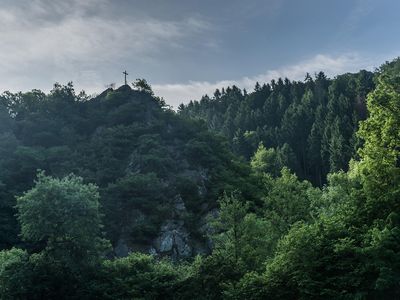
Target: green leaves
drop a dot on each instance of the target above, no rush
(139, 276)
(379, 165)
(64, 215)
(15, 274)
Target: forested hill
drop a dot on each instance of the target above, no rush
(148, 184)
(308, 126)
(158, 173)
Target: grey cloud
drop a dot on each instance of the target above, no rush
(64, 37)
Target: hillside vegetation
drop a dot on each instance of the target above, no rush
(289, 192)
(309, 126)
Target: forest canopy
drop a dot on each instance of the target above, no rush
(290, 191)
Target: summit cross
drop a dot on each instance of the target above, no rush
(125, 73)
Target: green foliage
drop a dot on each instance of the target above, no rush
(209, 277)
(126, 142)
(61, 218)
(240, 234)
(64, 215)
(272, 160)
(380, 155)
(140, 193)
(139, 276)
(15, 274)
(142, 85)
(341, 243)
(382, 250)
(266, 160)
(287, 201)
(231, 222)
(315, 119)
(274, 236)
(351, 249)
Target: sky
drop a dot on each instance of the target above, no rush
(188, 48)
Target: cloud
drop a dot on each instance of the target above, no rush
(174, 94)
(58, 39)
(79, 37)
(86, 41)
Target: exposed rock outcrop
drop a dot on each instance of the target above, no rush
(174, 240)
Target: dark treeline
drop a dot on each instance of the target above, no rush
(272, 234)
(309, 126)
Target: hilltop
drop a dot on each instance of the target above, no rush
(159, 174)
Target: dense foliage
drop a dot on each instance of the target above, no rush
(275, 235)
(309, 126)
(140, 154)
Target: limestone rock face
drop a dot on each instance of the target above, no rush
(174, 240)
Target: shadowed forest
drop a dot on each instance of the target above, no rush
(289, 191)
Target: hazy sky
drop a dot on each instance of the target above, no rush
(187, 48)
